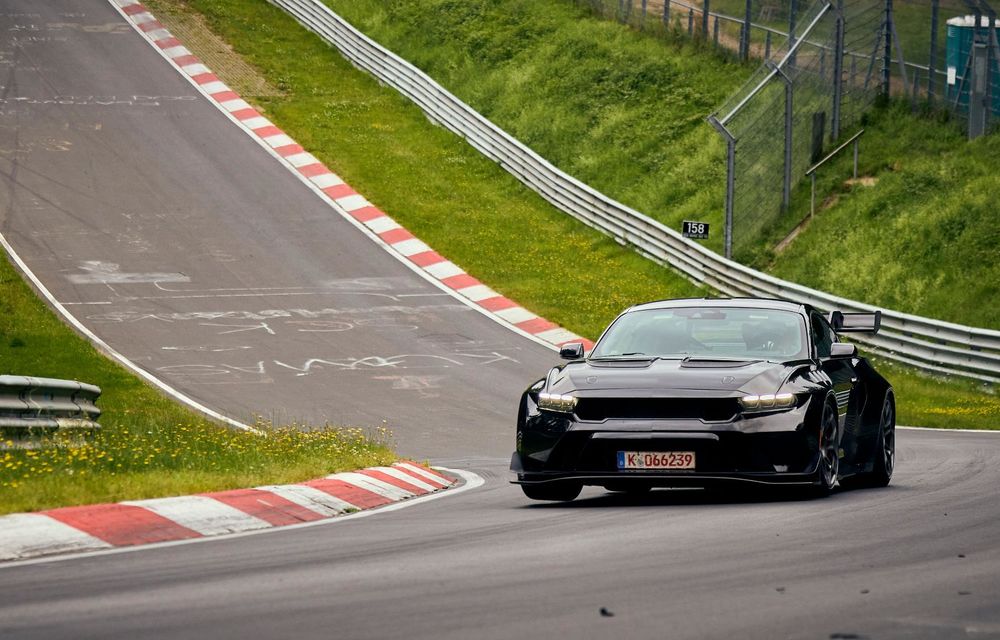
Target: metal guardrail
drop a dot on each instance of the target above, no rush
(933, 345)
(28, 403)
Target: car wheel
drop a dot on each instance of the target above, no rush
(828, 469)
(884, 456)
(554, 491)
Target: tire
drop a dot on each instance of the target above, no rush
(884, 455)
(828, 468)
(553, 491)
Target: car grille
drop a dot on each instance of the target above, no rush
(708, 409)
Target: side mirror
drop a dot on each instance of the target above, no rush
(843, 350)
(571, 351)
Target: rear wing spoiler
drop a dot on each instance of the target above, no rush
(855, 322)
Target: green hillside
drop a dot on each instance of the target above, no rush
(624, 111)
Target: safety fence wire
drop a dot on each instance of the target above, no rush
(756, 115)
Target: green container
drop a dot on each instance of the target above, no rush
(961, 31)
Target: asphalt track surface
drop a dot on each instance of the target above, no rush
(168, 186)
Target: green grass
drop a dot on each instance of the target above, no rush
(469, 209)
(149, 446)
(624, 112)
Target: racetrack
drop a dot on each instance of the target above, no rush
(208, 231)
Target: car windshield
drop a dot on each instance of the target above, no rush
(706, 332)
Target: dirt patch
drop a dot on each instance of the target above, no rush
(864, 181)
(192, 29)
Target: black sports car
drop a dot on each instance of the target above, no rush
(705, 391)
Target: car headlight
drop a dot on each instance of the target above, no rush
(768, 402)
(556, 402)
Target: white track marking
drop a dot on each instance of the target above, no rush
(478, 292)
(373, 484)
(405, 477)
(411, 247)
(516, 315)
(421, 472)
(446, 269)
(382, 224)
(109, 351)
(311, 498)
(255, 123)
(24, 535)
(471, 481)
(325, 180)
(205, 515)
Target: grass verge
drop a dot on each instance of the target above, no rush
(150, 446)
(473, 212)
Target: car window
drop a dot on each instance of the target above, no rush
(708, 332)
(822, 335)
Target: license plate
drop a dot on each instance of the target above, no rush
(656, 459)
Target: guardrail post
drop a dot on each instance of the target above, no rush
(932, 61)
(838, 73)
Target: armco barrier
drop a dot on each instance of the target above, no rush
(930, 344)
(28, 403)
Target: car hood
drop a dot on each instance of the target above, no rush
(744, 376)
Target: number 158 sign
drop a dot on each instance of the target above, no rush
(692, 229)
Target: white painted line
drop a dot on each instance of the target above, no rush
(143, 18)
(235, 104)
(216, 86)
(279, 140)
(382, 224)
(176, 52)
(478, 292)
(410, 247)
(325, 180)
(205, 515)
(155, 34)
(302, 159)
(195, 69)
(558, 335)
(108, 350)
(26, 535)
(992, 432)
(352, 202)
(257, 122)
(515, 315)
(311, 498)
(339, 209)
(470, 481)
(405, 477)
(422, 472)
(373, 484)
(442, 270)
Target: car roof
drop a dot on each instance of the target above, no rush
(752, 303)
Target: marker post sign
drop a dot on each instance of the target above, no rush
(696, 230)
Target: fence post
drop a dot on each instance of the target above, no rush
(932, 62)
(838, 73)
(730, 181)
(887, 56)
(767, 46)
(644, 12)
(666, 13)
(792, 10)
(690, 22)
(786, 191)
(745, 33)
(715, 32)
(706, 8)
